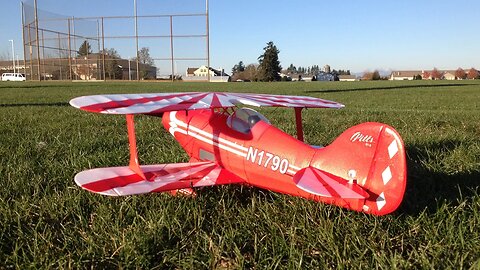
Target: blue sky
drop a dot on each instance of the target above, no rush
(350, 34)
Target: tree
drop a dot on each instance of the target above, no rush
(144, 56)
(436, 75)
(473, 74)
(371, 76)
(269, 67)
(292, 69)
(240, 67)
(112, 70)
(84, 49)
(460, 74)
(417, 77)
(111, 53)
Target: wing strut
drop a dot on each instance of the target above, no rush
(298, 121)
(134, 164)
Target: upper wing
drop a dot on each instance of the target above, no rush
(120, 181)
(165, 102)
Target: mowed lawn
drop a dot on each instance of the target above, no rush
(46, 221)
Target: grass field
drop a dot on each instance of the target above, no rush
(46, 221)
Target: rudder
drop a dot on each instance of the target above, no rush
(372, 154)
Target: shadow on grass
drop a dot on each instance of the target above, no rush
(389, 87)
(55, 104)
(427, 189)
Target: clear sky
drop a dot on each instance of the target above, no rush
(349, 34)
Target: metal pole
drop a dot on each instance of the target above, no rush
(171, 47)
(98, 47)
(103, 52)
(69, 51)
(13, 56)
(75, 47)
(23, 42)
(129, 70)
(136, 37)
(43, 54)
(208, 42)
(37, 41)
(30, 51)
(60, 55)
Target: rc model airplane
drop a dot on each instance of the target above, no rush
(364, 169)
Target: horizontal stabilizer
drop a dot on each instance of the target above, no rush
(121, 181)
(324, 184)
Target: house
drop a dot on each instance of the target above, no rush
(406, 75)
(449, 75)
(201, 74)
(324, 76)
(347, 78)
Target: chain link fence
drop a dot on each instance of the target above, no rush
(134, 47)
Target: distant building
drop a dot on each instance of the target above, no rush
(324, 76)
(6, 66)
(83, 68)
(347, 78)
(327, 69)
(406, 75)
(202, 73)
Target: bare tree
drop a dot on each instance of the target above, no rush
(371, 76)
(436, 75)
(5, 56)
(473, 74)
(460, 74)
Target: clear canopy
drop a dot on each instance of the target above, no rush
(244, 119)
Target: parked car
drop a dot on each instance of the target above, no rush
(14, 77)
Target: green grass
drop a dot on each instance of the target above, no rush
(46, 221)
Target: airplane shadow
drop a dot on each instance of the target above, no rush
(427, 189)
(55, 104)
(387, 88)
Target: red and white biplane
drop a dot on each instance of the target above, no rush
(364, 169)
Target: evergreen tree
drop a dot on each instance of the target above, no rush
(240, 67)
(269, 64)
(84, 49)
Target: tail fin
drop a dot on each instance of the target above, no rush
(373, 156)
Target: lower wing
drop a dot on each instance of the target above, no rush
(121, 181)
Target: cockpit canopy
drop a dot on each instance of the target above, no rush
(243, 119)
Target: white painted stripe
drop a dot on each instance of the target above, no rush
(204, 133)
(212, 139)
(392, 149)
(381, 202)
(386, 175)
(160, 181)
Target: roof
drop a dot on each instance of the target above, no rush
(406, 73)
(191, 70)
(346, 77)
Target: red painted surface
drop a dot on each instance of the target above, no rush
(367, 156)
(364, 169)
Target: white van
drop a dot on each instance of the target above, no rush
(14, 77)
